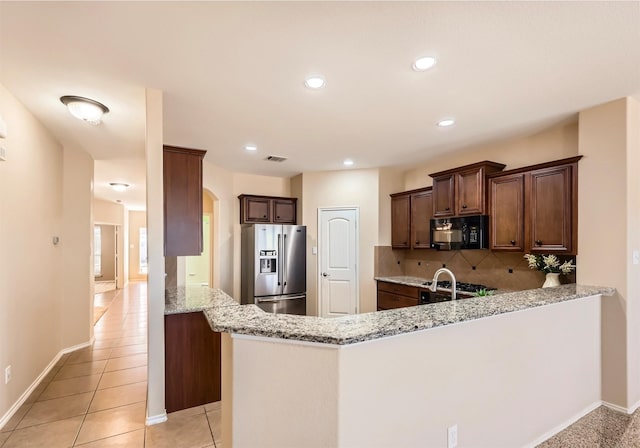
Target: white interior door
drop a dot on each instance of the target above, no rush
(338, 263)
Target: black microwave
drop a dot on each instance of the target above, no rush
(464, 232)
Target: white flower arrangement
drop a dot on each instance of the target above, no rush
(549, 263)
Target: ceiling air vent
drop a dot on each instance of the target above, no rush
(275, 159)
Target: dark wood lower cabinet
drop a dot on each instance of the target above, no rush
(394, 295)
(192, 361)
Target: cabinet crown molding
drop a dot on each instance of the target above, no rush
(539, 166)
(493, 166)
(417, 190)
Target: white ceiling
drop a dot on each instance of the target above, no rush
(233, 73)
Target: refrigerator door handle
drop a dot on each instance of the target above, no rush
(301, 296)
(279, 267)
(285, 265)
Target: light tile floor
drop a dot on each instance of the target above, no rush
(96, 397)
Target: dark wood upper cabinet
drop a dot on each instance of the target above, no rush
(462, 191)
(506, 208)
(284, 210)
(182, 170)
(410, 219)
(256, 209)
(551, 209)
(470, 188)
(421, 212)
(267, 209)
(400, 221)
(443, 196)
(536, 207)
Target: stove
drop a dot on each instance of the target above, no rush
(464, 287)
(463, 291)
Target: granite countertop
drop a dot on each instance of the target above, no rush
(225, 315)
(191, 299)
(418, 282)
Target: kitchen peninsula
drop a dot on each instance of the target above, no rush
(495, 367)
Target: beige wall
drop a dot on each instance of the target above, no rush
(106, 212)
(137, 220)
(554, 143)
(107, 253)
(492, 377)
(77, 241)
(37, 182)
(609, 207)
(156, 411)
(633, 244)
(357, 188)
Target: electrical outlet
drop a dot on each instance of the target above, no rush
(7, 375)
(452, 436)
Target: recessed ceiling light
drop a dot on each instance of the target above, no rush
(314, 82)
(118, 186)
(446, 122)
(251, 147)
(85, 109)
(348, 162)
(425, 63)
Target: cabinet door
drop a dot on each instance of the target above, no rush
(400, 221)
(506, 207)
(443, 196)
(421, 212)
(470, 192)
(550, 208)
(182, 170)
(257, 209)
(284, 211)
(192, 361)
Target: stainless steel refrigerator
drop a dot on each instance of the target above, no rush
(274, 267)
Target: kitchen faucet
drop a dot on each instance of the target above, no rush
(434, 283)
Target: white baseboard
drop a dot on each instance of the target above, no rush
(633, 408)
(155, 419)
(13, 409)
(564, 425)
(616, 407)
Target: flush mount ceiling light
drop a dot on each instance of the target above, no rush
(251, 147)
(446, 122)
(425, 63)
(314, 82)
(84, 108)
(117, 186)
(347, 162)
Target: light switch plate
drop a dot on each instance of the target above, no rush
(3, 128)
(636, 257)
(3, 153)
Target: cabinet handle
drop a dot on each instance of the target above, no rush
(447, 209)
(417, 242)
(264, 216)
(464, 206)
(513, 242)
(277, 217)
(538, 243)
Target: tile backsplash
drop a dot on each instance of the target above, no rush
(502, 270)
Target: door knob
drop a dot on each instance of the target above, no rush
(324, 274)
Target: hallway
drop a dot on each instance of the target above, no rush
(96, 397)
